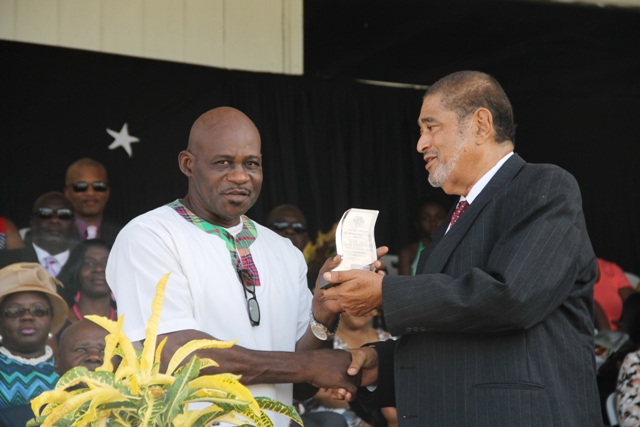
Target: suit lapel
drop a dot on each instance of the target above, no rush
(435, 256)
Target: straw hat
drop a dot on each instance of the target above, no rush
(31, 276)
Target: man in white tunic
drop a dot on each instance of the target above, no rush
(231, 278)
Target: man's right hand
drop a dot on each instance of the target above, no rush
(329, 371)
(364, 365)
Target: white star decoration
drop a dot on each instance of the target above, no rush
(122, 139)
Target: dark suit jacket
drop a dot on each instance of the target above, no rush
(11, 256)
(497, 329)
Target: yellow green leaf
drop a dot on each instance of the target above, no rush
(129, 353)
(158, 358)
(180, 389)
(192, 346)
(161, 379)
(93, 413)
(47, 397)
(71, 405)
(205, 419)
(146, 359)
(152, 408)
(205, 363)
(269, 404)
(228, 384)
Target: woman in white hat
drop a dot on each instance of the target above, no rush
(30, 312)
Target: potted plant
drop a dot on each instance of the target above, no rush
(137, 394)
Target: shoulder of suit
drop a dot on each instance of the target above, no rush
(547, 171)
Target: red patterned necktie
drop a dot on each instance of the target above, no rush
(462, 205)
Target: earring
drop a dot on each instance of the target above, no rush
(50, 335)
(77, 297)
(0, 339)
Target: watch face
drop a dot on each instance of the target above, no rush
(319, 332)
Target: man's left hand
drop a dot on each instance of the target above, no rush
(359, 291)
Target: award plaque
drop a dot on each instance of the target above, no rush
(355, 241)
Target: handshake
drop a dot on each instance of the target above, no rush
(342, 371)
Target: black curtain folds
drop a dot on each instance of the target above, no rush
(327, 145)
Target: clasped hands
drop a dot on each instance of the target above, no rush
(357, 292)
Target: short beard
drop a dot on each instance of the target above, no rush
(442, 172)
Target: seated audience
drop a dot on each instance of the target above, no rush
(430, 214)
(82, 344)
(9, 235)
(289, 221)
(85, 288)
(50, 238)
(30, 311)
(610, 291)
(88, 189)
(353, 332)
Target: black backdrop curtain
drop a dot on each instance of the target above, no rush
(327, 145)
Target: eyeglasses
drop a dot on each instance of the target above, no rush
(36, 311)
(93, 264)
(252, 303)
(48, 213)
(298, 227)
(82, 186)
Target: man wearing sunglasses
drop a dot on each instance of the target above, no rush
(289, 221)
(50, 238)
(87, 187)
(231, 278)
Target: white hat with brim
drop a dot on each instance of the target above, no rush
(32, 277)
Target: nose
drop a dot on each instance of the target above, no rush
(238, 174)
(90, 190)
(424, 142)
(94, 357)
(288, 231)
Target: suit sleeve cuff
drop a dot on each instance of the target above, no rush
(384, 393)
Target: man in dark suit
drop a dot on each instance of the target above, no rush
(496, 329)
(88, 189)
(49, 240)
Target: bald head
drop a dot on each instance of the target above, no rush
(218, 123)
(52, 196)
(224, 166)
(86, 186)
(81, 344)
(85, 162)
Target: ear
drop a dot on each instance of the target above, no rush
(483, 121)
(185, 161)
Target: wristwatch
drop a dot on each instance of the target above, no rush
(319, 330)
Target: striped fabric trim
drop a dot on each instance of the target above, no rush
(19, 383)
(236, 246)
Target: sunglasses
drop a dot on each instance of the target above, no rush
(82, 186)
(250, 294)
(37, 311)
(298, 227)
(48, 213)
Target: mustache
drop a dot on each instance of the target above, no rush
(237, 190)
